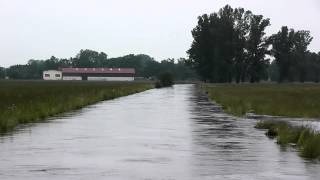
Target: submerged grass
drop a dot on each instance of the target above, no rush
(291, 100)
(307, 140)
(32, 101)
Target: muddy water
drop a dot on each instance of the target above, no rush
(171, 133)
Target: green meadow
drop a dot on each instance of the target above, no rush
(290, 100)
(33, 101)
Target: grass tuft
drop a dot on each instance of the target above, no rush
(306, 139)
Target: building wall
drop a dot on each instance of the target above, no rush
(99, 74)
(72, 78)
(52, 75)
(110, 78)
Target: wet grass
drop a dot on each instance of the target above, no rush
(33, 101)
(305, 139)
(291, 100)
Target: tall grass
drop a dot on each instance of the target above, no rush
(32, 101)
(291, 100)
(307, 140)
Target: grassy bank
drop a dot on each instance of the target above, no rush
(291, 100)
(306, 140)
(32, 101)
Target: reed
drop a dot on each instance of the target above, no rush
(306, 140)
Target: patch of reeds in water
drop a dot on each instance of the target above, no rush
(304, 138)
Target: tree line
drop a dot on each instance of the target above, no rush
(144, 65)
(228, 46)
(231, 45)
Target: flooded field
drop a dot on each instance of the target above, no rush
(170, 133)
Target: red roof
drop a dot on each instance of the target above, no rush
(100, 70)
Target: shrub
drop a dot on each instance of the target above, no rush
(164, 80)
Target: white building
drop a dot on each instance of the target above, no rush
(52, 75)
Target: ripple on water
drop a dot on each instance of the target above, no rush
(169, 133)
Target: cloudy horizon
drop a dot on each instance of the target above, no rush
(38, 29)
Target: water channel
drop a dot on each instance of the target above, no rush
(169, 133)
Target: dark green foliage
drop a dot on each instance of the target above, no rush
(31, 101)
(230, 45)
(2, 73)
(144, 65)
(294, 62)
(306, 139)
(164, 80)
(257, 48)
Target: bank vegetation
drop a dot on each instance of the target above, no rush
(33, 101)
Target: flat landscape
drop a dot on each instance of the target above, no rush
(32, 101)
(290, 100)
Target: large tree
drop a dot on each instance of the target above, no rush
(228, 45)
(289, 49)
(211, 52)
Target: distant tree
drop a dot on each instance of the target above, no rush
(302, 39)
(290, 51)
(183, 72)
(2, 72)
(144, 65)
(312, 67)
(273, 71)
(64, 63)
(89, 58)
(164, 80)
(282, 47)
(18, 72)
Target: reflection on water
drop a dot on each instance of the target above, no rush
(171, 133)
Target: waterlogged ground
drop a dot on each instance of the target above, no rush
(171, 133)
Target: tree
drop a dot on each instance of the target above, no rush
(230, 44)
(282, 44)
(211, 52)
(290, 51)
(144, 65)
(89, 58)
(257, 47)
(241, 30)
(2, 72)
(301, 41)
(164, 80)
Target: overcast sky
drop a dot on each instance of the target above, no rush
(38, 29)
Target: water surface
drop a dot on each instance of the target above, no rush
(170, 133)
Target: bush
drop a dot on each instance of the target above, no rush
(164, 80)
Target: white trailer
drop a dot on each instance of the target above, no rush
(52, 75)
